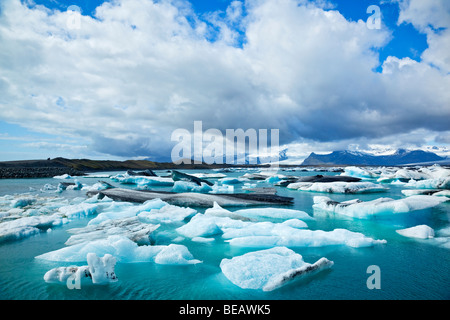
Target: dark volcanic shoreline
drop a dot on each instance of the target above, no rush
(78, 167)
(36, 172)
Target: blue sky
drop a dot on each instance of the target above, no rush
(62, 96)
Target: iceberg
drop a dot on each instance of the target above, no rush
(403, 175)
(434, 192)
(23, 202)
(100, 270)
(293, 237)
(167, 214)
(218, 211)
(203, 175)
(36, 214)
(175, 254)
(64, 176)
(257, 213)
(78, 210)
(142, 181)
(378, 207)
(120, 210)
(188, 186)
(200, 226)
(337, 187)
(132, 228)
(274, 213)
(269, 269)
(151, 211)
(438, 183)
(268, 234)
(419, 232)
(359, 173)
(124, 250)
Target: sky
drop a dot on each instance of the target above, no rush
(114, 79)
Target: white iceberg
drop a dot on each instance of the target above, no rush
(276, 213)
(268, 234)
(100, 270)
(419, 232)
(358, 172)
(124, 250)
(175, 254)
(434, 192)
(188, 186)
(269, 269)
(23, 202)
(142, 181)
(120, 210)
(257, 213)
(438, 183)
(38, 214)
(78, 210)
(64, 176)
(201, 226)
(293, 237)
(167, 214)
(337, 187)
(378, 207)
(131, 228)
(204, 175)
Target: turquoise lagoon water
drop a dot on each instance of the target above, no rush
(410, 268)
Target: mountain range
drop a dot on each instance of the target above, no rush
(400, 157)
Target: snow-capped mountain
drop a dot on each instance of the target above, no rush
(399, 157)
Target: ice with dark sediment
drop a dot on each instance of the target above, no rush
(99, 271)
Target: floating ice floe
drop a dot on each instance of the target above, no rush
(378, 207)
(187, 186)
(434, 192)
(167, 214)
(439, 238)
(419, 232)
(142, 181)
(359, 173)
(291, 233)
(231, 181)
(63, 176)
(204, 175)
(337, 187)
(434, 175)
(99, 270)
(437, 183)
(131, 228)
(152, 211)
(257, 213)
(269, 269)
(36, 214)
(124, 250)
(402, 175)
